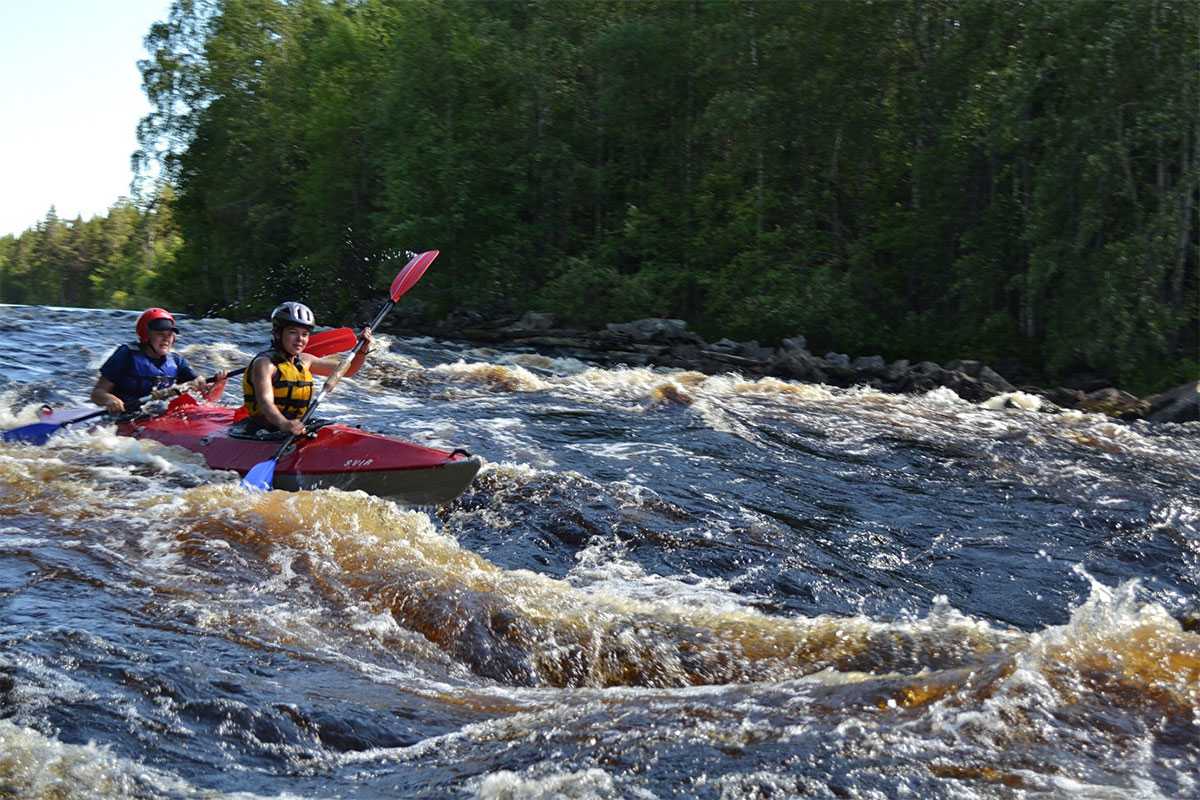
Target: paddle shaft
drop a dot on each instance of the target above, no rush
(262, 475)
(320, 344)
(333, 380)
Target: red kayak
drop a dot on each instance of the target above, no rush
(335, 456)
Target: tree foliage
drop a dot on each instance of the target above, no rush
(114, 261)
(917, 178)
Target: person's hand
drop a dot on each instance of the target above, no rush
(294, 426)
(368, 338)
(213, 387)
(114, 405)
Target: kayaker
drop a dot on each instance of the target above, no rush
(278, 385)
(135, 370)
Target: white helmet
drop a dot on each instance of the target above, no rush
(293, 313)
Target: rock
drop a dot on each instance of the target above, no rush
(569, 342)
(461, 318)
(971, 368)
(1114, 403)
(870, 366)
(797, 365)
(628, 358)
(796, 342)
(1087, 382)
(654, 329)
(838, 370)
(668, 343)
(965, 386)
(1181, 404)
(1062, 396)
(683, 355)
(897, 370)
(837, 360)
(750, 351)
(534, 321)
(993, 381)
(726, 345)
(920, 378)
(741, 363)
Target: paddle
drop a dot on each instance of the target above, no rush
(262, 475)
(325, 343)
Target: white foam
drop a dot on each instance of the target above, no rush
(602, 569)
(35, 765)
(593, 784)
(513, 378)
(1018, 400)
(554, 366)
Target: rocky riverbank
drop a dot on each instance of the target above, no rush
(669, 343)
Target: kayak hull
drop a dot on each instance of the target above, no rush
(334, 457)
(414, 487)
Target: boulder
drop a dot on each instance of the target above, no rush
(750, 351)
(839, 370)
(796, 342)
(655, 330)
(965, 386)
(798, 365)
(1062, 396)
(966, 367)
(993, 381)
(1114, 403)
(534, 321)
(869, 367)
(1181, 404)
(897, 370)
(1087, 382)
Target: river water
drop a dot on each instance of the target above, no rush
(661, 585)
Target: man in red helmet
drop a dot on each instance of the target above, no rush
(135, 370)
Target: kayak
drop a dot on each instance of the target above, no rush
(334, 456)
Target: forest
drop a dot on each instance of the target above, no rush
(1016, 182)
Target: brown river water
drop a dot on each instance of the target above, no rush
(661, 585)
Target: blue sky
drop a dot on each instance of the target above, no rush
(70, 101)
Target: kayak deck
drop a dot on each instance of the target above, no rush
(333, 457)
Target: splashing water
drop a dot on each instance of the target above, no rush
(662, 584)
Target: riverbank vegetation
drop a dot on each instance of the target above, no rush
(929, 179)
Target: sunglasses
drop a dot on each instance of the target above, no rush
(163, 325)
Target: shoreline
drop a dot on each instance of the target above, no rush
(656, 342)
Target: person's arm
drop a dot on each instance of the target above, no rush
(102, 395)
(209, 390)
(213, 392)
(329, 364)
(261, 372)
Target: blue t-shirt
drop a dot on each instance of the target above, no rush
(135, 375)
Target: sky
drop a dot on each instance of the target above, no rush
(70, 101)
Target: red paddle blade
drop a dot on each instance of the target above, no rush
(326, 343)
(412, 272)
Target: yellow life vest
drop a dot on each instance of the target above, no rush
(292, 383)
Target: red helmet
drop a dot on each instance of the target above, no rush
(151, 315)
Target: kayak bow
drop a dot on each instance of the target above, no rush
(336, 456)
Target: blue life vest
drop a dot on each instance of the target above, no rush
(137, 375)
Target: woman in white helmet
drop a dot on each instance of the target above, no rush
(278, 385)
